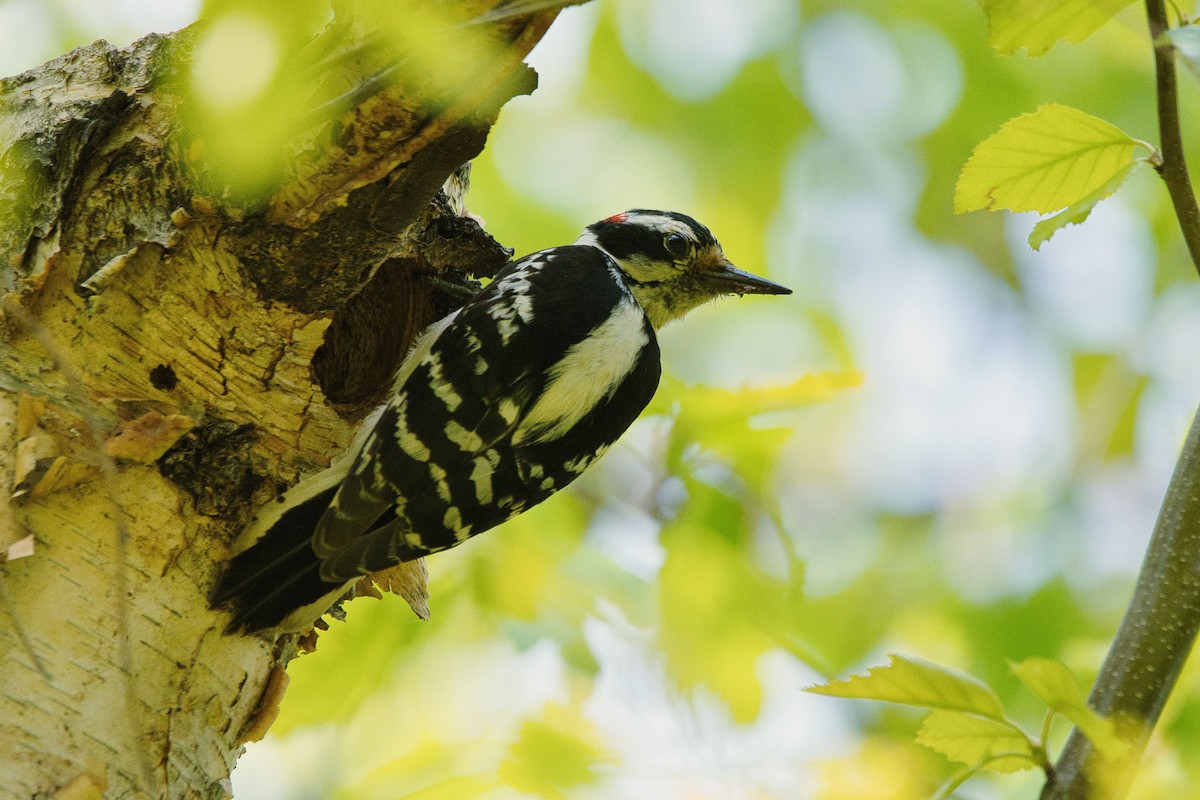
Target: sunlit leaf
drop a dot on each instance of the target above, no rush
(712, 404)
(719, 612)
(551, 755)
(1050, 680)
(1037, 24)
(428, 770)
(1044, 161)
(354, 657)
(736, 424)
(818, 620)
(972, 740)
(915, 682)
(1054, 684)
(536, 578)
(524, 569)
(879, 769)
(1079, 211)
(1109, 390)
(705, 634)
(1011, 628)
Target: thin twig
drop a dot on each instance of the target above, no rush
(1174, 168)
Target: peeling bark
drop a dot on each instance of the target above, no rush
(170, 359)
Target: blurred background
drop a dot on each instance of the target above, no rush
(944, 444)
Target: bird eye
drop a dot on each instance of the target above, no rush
(678, 245)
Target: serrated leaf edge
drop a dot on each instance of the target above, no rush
(1019, 123)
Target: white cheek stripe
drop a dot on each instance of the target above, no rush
(590, 371)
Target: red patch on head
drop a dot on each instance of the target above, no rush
(616, 218)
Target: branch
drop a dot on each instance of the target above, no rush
(1159, 629)
(1152, 643)
(1173, 169)
(1161, 624)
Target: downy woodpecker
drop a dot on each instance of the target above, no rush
(498, 406)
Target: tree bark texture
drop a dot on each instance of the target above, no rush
(170, 359)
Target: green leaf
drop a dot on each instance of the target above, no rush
(1037, 24)
(1051, 681)
(730, 422)
(1055, 686)
(1077, 212)
(1053, 158)
(708, 634)
(973, 740)
(915, 682)
(1187, 43)
(354, 657)
(553, 755)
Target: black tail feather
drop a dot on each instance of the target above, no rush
(279, 573)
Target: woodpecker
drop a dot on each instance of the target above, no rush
(499, 405)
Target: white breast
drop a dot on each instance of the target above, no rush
(590, 371)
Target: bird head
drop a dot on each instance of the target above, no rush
(671, 263)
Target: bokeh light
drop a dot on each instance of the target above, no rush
(234, 62)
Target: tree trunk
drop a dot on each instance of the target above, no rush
(172, 358)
